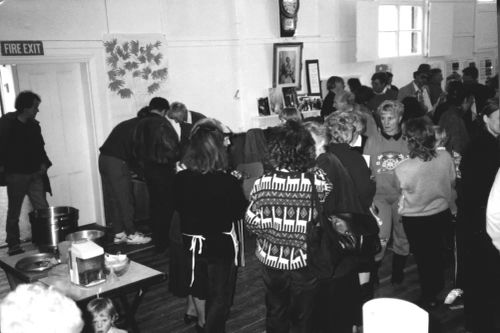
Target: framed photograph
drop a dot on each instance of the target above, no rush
(263, 104)
(287, 65)
(313, 77)
(290, 99)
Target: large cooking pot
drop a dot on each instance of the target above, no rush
(49, 226)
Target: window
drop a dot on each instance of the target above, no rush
(399, 30)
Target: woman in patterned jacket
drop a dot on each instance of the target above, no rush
(278, 214)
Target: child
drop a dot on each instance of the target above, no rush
(103, 314)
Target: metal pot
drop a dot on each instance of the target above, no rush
(50, 225)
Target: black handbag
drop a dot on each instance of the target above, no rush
(320, 258)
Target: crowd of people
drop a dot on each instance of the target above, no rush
(420, 161)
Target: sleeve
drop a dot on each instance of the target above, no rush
(323, 184)
(238, 200)
(253, 220)
(493, 213)
(4, 132)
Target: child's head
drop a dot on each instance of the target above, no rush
(103, 314)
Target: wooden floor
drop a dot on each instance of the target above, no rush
(162, 312)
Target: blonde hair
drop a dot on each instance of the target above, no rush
(35, 308)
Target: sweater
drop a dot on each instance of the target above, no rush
(426, 186)
(385, 155)
(279, 210)
(208, 204)
(22, 148)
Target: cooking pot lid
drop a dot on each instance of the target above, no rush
(38, 262)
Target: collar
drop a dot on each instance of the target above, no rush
(189, 119)
(358, 142)
(382, 92)
(395, 136)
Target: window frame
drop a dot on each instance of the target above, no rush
(423, 31)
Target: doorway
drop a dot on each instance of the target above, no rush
(66, 120)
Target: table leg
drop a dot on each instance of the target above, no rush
(131, 310)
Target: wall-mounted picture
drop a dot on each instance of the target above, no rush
(313, 77)
(287, 65)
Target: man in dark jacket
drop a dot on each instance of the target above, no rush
(23, 161)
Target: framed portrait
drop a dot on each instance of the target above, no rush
(287, 65)
(290, 99)
(313, 77)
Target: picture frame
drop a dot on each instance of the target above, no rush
(313, 77)
(287, 65)
(290, 99)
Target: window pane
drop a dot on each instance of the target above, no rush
(410, 18)
(410, 42)
(387, 18)
(387, 44)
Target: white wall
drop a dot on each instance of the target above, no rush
(219, 51)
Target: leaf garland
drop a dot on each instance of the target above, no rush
(134, 60)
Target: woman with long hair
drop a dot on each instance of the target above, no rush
(209, 200)
(427, 182)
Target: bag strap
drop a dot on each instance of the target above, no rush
(315, 199)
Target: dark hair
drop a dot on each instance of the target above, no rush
(290, 114)
(381, 76)
(291, 147)
(455, 93)
(363, 95)
(421, 138)
(98, 305)
(471, 71)
(330, 83)
(412, 108)
(420, 72)
(435, 71)
(159, 103)
(389, 75)
(354, 84)
(155, 140)
(490, 107)
(206, 151)
(25, 100)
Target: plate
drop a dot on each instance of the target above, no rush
(37, 262)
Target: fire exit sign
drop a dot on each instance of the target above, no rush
(21, 48)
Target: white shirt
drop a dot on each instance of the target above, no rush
(425, 96)
(493, 213)
(189, 119)
(176, 126)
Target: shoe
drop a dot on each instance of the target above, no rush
(427, 304)
(132, 239)
(15, 249)
(453, 295)
(120, 238)
(188, 319)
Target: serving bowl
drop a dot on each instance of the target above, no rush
(96, 236)
(117, 263)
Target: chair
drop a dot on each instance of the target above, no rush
(391, 315)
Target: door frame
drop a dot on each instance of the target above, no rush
(88, 69)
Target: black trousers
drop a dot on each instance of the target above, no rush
(159, 180)
(338, 305)
(290, 300)
(481, 284)
(426, 234)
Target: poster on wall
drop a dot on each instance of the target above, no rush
(136, 69)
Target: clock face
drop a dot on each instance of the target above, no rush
(290, 6)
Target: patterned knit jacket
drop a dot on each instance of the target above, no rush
(279, 210)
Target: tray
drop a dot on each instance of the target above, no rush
(38, 262)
